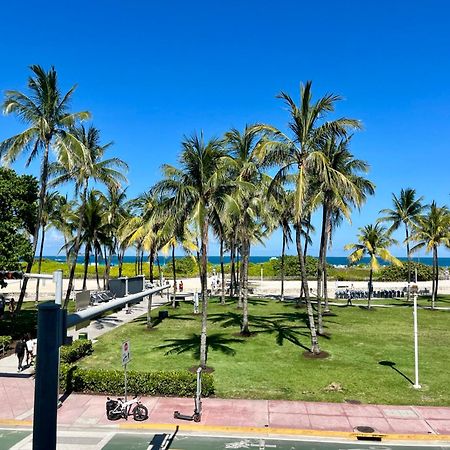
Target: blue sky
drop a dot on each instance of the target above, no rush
(151, 72)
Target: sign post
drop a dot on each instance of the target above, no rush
(126, 358)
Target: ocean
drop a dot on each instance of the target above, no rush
(335, 260)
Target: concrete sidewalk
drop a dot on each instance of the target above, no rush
(228, 416)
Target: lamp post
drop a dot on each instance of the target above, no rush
(416, 385)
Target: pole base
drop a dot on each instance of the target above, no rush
(417, 386)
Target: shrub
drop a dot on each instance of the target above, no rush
(5, 342)
(394, 273)
(292, 267)
(75, 351)
(158, 383)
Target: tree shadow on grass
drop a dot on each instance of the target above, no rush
(234, 319)
(282, 332)
(392, 365)
(143, 319)
(217, 341)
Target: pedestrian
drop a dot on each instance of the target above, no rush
(180, 286)
(20, 353)
(2, 306)
(12, 306)
(30, 355)
(349, 297)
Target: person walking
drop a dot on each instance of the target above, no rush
(21, 347)
(2, 305)
(30, 355)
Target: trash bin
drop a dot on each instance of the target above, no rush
(164, 314)
(82, 336)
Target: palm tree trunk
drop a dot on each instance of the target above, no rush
(141, 260)
(312, 326)
(408, 255)
(41, 250)
(76, 247)
(120, 255)
(324, 260)
(96, 267)
(319, 262)
(435, 277)
(174, 274)
(42, 192)
(136, 261)
(204, 285)
(283, 251)
(369, 297)
(305, 251)
(149, 312)
(245, 331)
(222, 272)
(241, 278)
(151, 258)
(86, 264)
(232, 268)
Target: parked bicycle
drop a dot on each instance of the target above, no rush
(117, 409)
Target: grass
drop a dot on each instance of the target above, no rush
(270, 364)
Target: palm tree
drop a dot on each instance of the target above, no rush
(116, 211)
(341, 186)
(193, 187)
(51, 201)
(301, 155)
(405, 211)
(46, 111)
(430, 231)
(81, 165)
(373, 241)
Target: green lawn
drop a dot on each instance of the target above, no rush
(270, 363)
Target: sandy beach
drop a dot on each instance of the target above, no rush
(265, 287)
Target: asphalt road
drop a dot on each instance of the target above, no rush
(81, 440)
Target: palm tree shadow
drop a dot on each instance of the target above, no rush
(234, 319)
(216, 341)
(392, 364)
(282, 332)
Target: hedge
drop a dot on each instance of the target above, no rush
(75, 351)
(108, 381)
(400, 273)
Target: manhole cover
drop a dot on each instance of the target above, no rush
(364, 429)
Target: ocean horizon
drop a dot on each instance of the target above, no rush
(334, 260)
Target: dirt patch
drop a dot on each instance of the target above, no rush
(321, 355)
(206, 369)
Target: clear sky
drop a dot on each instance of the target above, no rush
(151, 72)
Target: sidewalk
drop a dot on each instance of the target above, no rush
(243, 416)
(96, 328)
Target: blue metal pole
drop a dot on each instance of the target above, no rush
(46, 381)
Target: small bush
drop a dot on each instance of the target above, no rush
(394, 273)
(75, 351)
(5, 342)
(158, 383)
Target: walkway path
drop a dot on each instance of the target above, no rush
(95, 329)
(237, 416)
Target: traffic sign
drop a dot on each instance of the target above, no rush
(126, 355)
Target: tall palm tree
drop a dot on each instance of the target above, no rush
(373, 241)
(430, 231)
(51, 202)
(81, 165)
(341, 186)
(301, 155)
(45, 109)
(405, 211)
(193, 186)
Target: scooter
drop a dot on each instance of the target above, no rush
(197, 416)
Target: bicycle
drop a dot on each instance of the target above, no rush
(116, 409)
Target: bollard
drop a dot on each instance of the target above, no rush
(46, 381)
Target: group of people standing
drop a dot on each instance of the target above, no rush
(26, 347)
